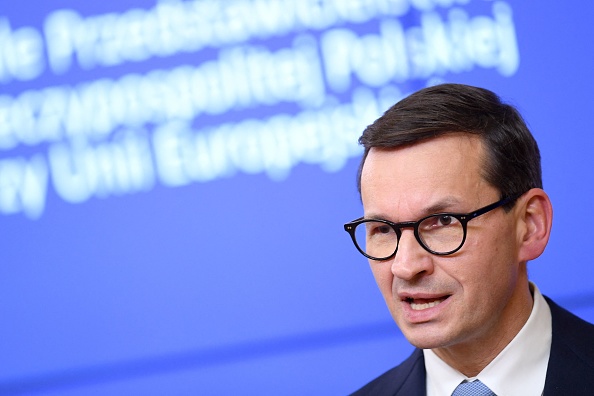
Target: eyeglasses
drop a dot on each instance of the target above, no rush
(440, 233)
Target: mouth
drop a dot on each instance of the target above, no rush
(420, 304)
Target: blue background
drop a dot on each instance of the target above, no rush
(247, 284)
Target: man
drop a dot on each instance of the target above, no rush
(453, 210)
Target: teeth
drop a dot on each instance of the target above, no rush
(420, 307)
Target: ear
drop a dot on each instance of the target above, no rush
(535, 219)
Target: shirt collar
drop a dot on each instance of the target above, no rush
(519, 369)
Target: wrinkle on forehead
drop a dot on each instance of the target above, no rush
(440, 174)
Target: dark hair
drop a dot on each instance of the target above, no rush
(512, 159)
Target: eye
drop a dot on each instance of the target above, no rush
(381, 229)
(444, 220)
(378, 230)
(440, 221)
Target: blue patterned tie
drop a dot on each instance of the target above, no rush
(475, 388)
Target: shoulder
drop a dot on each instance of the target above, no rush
(574, 332)
(571, 364)
(408, 379)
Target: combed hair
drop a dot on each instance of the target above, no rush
(512, 159)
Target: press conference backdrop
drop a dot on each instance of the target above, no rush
(174, 176)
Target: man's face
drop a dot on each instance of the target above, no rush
(472, 297)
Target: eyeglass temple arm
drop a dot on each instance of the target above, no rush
(492, 206)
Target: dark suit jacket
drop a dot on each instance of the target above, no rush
(570, 370)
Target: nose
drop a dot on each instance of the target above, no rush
(411, 259)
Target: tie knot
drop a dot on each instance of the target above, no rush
(474, 388)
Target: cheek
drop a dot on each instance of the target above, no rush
(499, 241)
(487, 276)
(489, 257)
(383, 276)
(473, 272)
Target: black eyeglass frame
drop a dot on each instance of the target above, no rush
(463, 218)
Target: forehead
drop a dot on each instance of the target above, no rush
(412, 178)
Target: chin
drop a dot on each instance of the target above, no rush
(425, 337)
(424, 342)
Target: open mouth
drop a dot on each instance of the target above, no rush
(419, 304)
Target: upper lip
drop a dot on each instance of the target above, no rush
(409, 296)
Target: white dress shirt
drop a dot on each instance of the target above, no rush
(520, 368)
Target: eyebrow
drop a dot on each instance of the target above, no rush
(443, 205)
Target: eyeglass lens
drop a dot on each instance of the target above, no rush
(438, 233)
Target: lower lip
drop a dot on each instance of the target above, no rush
(424, 315)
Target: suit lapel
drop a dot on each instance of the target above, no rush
(414, 383)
